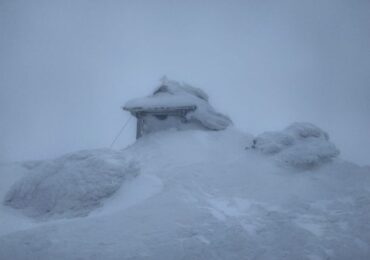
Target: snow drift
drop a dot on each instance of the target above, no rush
(210, 199)
(300, 145)
(72, 185)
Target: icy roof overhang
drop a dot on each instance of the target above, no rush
(160, 110)
(161, 102)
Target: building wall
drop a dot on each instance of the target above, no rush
(154, 123)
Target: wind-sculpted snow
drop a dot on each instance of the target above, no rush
(301, 145)
(72, 185)
(210, 198)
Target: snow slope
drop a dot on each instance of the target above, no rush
(203, 195)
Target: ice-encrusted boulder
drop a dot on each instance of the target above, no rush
(300, 145)
(72, 185)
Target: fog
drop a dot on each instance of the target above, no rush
(66, 68)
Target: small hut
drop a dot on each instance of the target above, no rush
(175, 105)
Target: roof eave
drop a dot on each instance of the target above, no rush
(159, 109)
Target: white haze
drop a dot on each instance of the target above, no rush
(66, 67)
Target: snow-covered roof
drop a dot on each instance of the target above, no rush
(172, 95)
(158, 101)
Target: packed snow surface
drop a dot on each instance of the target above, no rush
(198, 195)
(174, 94)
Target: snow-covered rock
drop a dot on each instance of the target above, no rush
(300, 145)
(72, 185)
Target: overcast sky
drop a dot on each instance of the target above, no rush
(66, 67)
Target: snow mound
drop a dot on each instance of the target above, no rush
(300, 145)
(175, 94)
(200, 195)
(72, 185)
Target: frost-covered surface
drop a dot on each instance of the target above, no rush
(208, 198)
(301, 145)
(175, 94)
(72, 185)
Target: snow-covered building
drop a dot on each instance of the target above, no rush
(175, 105)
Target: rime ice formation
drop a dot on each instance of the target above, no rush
(72, 185)
(301, 145)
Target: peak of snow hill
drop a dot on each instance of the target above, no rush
(190, 195)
